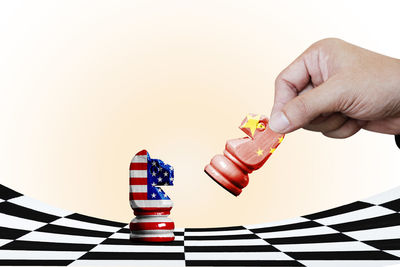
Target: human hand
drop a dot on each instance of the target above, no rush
(337, 88)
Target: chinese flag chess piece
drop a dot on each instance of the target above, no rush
(244, 155)
(150, 204)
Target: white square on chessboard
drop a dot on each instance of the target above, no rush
(223, 243)
(38, 206)
(179, 237)
(19, 223)
(219, 233)
(392, 232)
(235, 256)
(278, 223)
(323, 247)
(4, 241)
(137, 248)
(390, 195)
(85, 225)
(40, 255)
(319, 230)
(61, 238)
(119, 236)
(141, 263)
(370, 212)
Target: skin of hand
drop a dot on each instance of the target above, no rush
(338, 88)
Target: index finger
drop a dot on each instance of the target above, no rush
(290, 82)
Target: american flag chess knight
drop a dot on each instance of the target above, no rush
(151, 205)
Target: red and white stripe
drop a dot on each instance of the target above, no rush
(138, 185)
(145, 221)
(152, 229)
(151, 223)
(138, 177)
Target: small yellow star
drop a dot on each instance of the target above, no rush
(259, 152)
(281, 139)
(251, 123)
(272, 150)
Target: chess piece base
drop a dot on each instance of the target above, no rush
(152, 228)
(227, 174)
(219, 179)
(166, 237)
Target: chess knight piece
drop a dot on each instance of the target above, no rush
(150, 204)
(244, 155)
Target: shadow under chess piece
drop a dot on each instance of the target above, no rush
(150, 204)
(244, 155)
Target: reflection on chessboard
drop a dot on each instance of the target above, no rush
(363, 233)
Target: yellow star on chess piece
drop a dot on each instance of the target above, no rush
(272, 150)
(280, 139)
(259, 152)
(251, 123)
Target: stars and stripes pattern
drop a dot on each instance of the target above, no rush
(146, 175)
(150, 204)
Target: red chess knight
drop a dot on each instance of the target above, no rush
(244, 155)
(150, 204)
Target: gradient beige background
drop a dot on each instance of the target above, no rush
(85, 85)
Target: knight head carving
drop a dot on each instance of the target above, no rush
(254, 125)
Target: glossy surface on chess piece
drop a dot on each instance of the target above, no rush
(244, 155)
(150, 204)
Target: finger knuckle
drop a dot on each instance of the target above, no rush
(328, 42)
(347, 130)
(278, 80)
(301, 105)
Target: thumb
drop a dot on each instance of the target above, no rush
(303, 108)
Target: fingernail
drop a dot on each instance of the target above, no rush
(278, 122)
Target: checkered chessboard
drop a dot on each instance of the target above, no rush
(363, 233)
